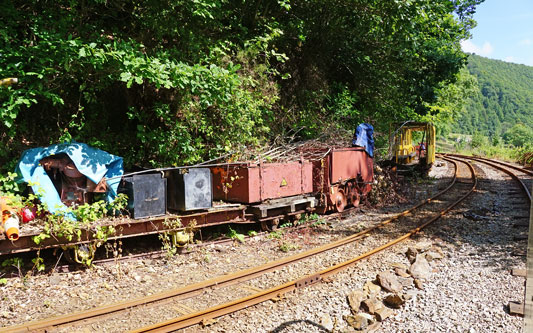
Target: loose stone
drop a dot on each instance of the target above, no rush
(371, 288)
(389, 282)
(420, 269)
(394, 301)
(432, 255)
(325, 320)
(355, 299)
(383, 313)
(411, 254)
(399, 265)
(401, 272)
(419, 284)
(358, 322)
(371, 305)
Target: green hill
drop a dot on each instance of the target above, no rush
(505, 98)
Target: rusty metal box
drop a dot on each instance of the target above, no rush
(348, 163)
(146, 194)
(341, 165)
(190, 190)
(250, 183)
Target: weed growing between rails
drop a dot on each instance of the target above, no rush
(233, 234)
(292, 236)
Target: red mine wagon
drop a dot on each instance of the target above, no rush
(342, 176)
(252, 183)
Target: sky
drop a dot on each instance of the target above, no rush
(504, 31)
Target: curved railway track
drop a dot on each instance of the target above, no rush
(442, 202)
(524, 181)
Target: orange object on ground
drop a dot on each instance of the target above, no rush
(11, 225)
(10, 220)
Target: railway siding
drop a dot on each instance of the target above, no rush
(306, 310)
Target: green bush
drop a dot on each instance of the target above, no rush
(519, 135)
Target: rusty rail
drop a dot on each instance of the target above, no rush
(237, 277)
(220, 281)
(502, 167)
(223, 309)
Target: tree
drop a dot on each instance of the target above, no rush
(519, 135)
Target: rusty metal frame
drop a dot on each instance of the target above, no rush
(127, 228)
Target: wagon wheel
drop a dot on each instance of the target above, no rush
(340, 201)
(355, 198)
(264, 226)
(274, 224)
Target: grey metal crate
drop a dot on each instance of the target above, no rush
(190, 190)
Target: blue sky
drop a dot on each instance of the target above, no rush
(504, 31)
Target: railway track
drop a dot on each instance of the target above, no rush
(524, 179)
(442, 202)
(445, 202)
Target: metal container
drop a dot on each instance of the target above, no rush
(190, 190)
(341, 165)
(349, 163)
(146, 194)
(250, 183)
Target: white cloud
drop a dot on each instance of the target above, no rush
(526, 42)
(470, 47)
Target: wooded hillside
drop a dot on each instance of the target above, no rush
(164, 82)
(504, 101)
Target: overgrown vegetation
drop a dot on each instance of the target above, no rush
(164, 83)
(233, 234)
(169, 239)
(481, 145)
(174, 82)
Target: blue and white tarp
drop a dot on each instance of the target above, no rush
(91, 162)
(364, 137)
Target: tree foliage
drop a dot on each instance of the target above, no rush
(504, 100)
(164, 82)
(519, 135)
(451, 102)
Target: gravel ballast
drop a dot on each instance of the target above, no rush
(468, 289)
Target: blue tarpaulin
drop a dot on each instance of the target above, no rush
(364, 137)
(91, 162)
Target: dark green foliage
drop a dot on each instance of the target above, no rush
(391, 57)
(503, 105)
(163, 82)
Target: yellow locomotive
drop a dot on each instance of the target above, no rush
(413, 143)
